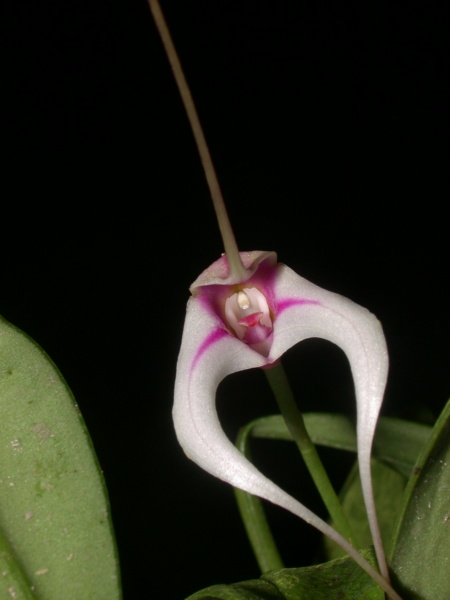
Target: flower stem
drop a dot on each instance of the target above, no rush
(229, 241)
(279, 383)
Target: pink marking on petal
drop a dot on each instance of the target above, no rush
(211, 339)
(288, 302)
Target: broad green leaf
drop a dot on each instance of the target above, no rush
(341, 579)
(420, 559)
(388, 487)
(13, 582)
(56, 537)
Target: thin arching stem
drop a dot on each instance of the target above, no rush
(229, 242)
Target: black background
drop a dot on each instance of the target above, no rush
(327, 123)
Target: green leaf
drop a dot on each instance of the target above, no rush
(420, 555)
(256, 589)
(56, 537)
(388, 487)
(396, 442)
(341, 579)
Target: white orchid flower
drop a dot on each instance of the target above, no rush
(245, 321)
(246, 310)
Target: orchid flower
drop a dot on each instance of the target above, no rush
(242, 322)
(246, 311)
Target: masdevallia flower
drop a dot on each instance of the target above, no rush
(245, 312)
(238, 322)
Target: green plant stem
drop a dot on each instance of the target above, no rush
(279, 383)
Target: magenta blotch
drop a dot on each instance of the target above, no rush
(288, 302)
